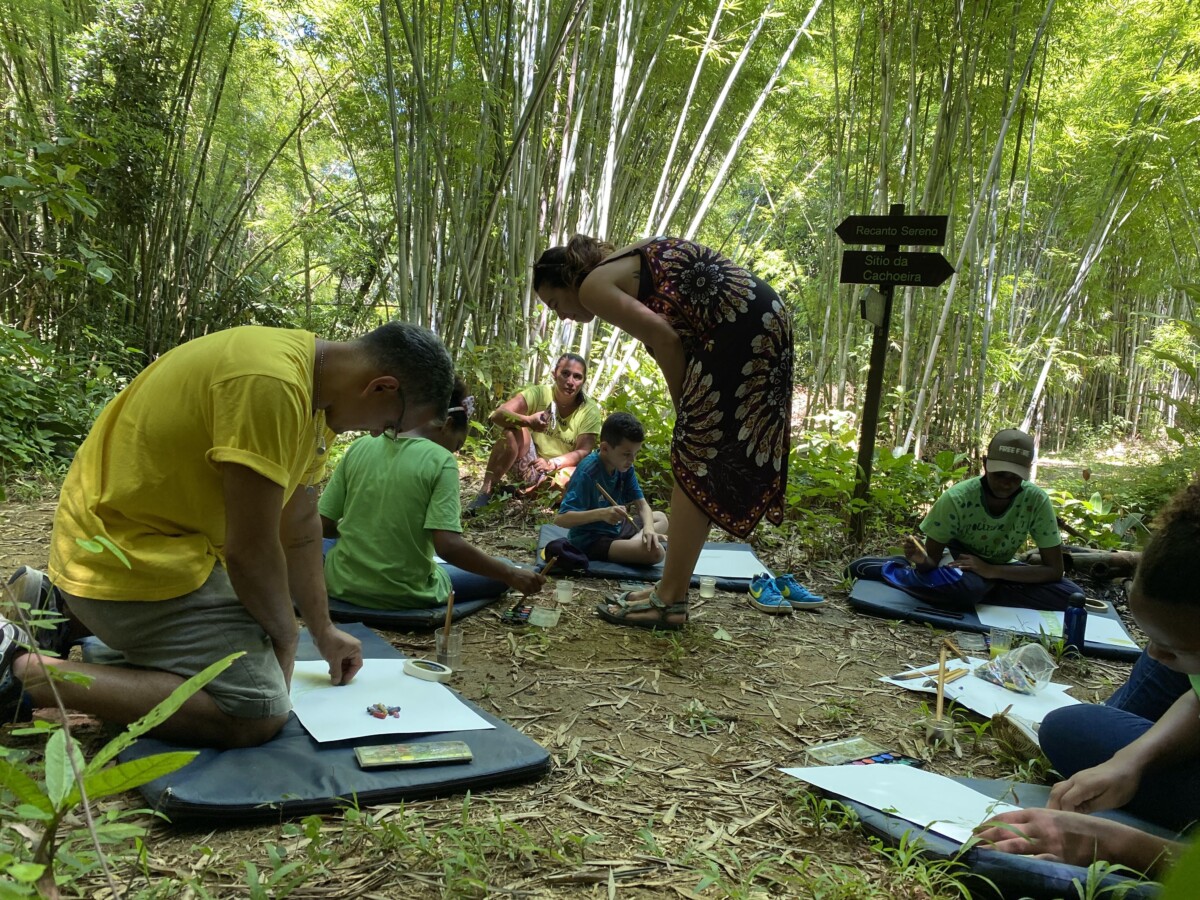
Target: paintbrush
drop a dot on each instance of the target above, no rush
(449, 618)
(609, 498)
(941, 683)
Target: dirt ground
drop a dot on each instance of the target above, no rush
(666, 750)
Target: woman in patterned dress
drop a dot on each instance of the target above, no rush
(724, 343)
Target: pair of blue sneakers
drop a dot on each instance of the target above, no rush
(781, 595)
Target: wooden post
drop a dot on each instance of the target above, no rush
(871, 403)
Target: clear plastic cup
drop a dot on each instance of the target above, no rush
(449, 647)
(708, 586)
(1001, 641)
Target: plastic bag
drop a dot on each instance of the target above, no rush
(1025, 670)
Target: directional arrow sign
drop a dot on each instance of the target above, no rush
(922, 231)
(882, 267)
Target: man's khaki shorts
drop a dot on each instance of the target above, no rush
(189, 633)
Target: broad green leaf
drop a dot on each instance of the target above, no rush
(90, 546)
(15, 181)
(160, 713)
(101, 273)
(1181, 884)
(27, 873)
(23, 787)
(114, 550)
(60, 777)
(134, 773)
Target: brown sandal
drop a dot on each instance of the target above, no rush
(653, 603)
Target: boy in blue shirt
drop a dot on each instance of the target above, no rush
(599, 528)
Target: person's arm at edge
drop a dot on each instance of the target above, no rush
(454, 549)
(301, 538)
(1077, 839)
(1174, 738)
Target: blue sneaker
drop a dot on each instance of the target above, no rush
(765, 597)
(797, 594)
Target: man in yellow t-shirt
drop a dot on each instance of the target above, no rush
(187, 525)
(547, 431)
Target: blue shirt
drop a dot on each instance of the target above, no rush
(582, 495)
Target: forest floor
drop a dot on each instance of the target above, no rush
(666, 750)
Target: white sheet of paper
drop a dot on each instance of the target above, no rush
(339, 712)
(728, 564)
(987, 698)
(1100, 629)
(924, 798)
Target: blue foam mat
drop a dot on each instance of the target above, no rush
(880, 599)
(294, 775)
(424, 619)
(1013, 876)
(623, 572)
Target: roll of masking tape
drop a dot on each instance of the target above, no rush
(427, 670)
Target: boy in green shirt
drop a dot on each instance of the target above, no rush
(983, 522)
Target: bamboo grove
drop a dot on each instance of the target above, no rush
(172, 167)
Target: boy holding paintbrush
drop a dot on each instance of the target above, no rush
(596, 505)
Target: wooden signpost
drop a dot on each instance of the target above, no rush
(886, 269)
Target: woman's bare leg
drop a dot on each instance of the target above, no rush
(689, 530)
(509, 447)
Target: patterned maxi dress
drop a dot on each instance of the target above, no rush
(733, 427)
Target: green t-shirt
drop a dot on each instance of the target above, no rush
(388, 497)
(1195, 680)
(960, 515)
(584, 419)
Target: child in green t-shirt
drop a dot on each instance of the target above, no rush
(392, 504)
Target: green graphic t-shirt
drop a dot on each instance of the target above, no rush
(960, 515)
(388, 497)
(555, 441)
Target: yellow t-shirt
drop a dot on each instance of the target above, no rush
(148, 479)
(556, 441)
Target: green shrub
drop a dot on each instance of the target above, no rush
(50, 402)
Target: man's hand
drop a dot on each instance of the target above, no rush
(970, 563)
(525, 580)
(1051, 834)
(651, 540)
(343, 653)
(1107, 786)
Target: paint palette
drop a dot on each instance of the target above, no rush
(517, 614)
(858, 751)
